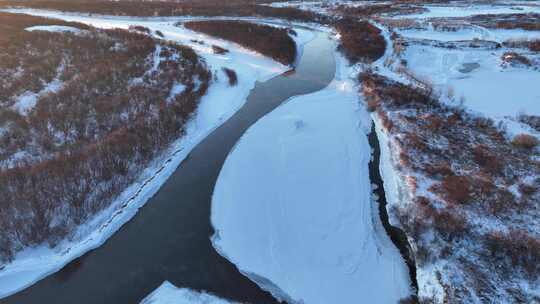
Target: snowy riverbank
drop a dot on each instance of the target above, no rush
(293, 206)
(221, 102)
(167, 293)
(428, 58)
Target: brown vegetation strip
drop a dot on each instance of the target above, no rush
(171, 8)
(268, 40)
(366, 11)
(360, 41)
(528, 22)
(12, 26)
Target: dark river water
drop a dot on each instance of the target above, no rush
(169, 239)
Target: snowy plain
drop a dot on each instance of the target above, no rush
(489, 89)
(475, 77)
(478, 77)
(466, 10)
(293, 205)
(167, 293)
(471, 33)
(221, 102)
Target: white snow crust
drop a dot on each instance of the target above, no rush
(434, 11)
(490, 89)
(167, 293)
(54, 28)
(293, 205)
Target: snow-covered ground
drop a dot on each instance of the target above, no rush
(293, 205)
(471, 33)
(218, 105)
(167, 293)
(477, 76)
(470, 10)
(326, 6)
(54, 28)
(489, 88)
(28, 100)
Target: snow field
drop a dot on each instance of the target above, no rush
(471, 33)
(293, 205)
(477, 77)
(470, 10)
(489, 89)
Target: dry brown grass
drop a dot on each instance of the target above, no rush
(12, 26)
(267, 40)
(525, 141)
(455, 189)
(517, 249)
(231, 75)
(219, 50)
(91, 138)
(360, 41)
(171, 8)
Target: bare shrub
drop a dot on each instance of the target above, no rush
(267, 40)
(360, 41)
(414, 141)
(173, 8)
(527, 22)
(372, 104)
(438, 170)
(386, 121)
(515, 249)
(393, 93)
(455, 189)
(219, 50)
(409, 300)
(531, 120)
(139, 28)
(373, 10)
(486, 160)
(534, 46)
(515, 58)
(525, 141)
(13, 25)
(231, 74)
(402, 23)
(527, 189)
(450, 224)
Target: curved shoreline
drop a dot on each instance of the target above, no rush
(45, 288)
(397, 236)
(294, 176)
